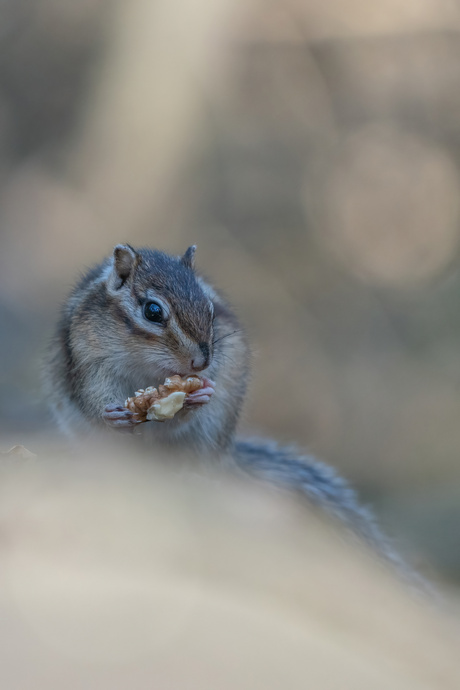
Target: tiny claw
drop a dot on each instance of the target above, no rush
(120, 418)
(113, 407)
(200, 397)
(208, 382)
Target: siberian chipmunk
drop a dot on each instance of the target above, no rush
(143, 315)
(136, 318)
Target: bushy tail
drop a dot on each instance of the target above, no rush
(287, 468)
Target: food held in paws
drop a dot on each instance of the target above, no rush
(152, 404)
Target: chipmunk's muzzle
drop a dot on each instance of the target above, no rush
(201, 359)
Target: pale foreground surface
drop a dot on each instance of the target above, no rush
(122, 575)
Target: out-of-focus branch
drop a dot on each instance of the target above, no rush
(147, 100)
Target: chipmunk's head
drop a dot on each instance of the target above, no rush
(159, 302)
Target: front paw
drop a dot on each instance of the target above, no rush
(120, 418)
(200, 397)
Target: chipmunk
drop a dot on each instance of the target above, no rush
(142, 315)
(136, 318)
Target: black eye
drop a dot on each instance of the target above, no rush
(153, 312)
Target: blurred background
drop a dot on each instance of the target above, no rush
(312, 151)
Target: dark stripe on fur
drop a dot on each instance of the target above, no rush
(130, 325)
(70, 369)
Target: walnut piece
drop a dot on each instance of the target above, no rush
(152, 404)
(166, 408)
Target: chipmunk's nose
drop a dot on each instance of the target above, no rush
(201, 360)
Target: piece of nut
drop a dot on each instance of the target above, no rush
(141, 401)
(176, 383)
(166, 408)
(150, 403)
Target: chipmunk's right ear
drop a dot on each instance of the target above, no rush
(189, 257)
(125, 261)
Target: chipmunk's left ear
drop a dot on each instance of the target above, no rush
(125, 261)
(189, 257)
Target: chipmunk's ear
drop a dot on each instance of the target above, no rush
(189, 257)
(125, 261)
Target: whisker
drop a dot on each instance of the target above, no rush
(227, 335)
(226, 356)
